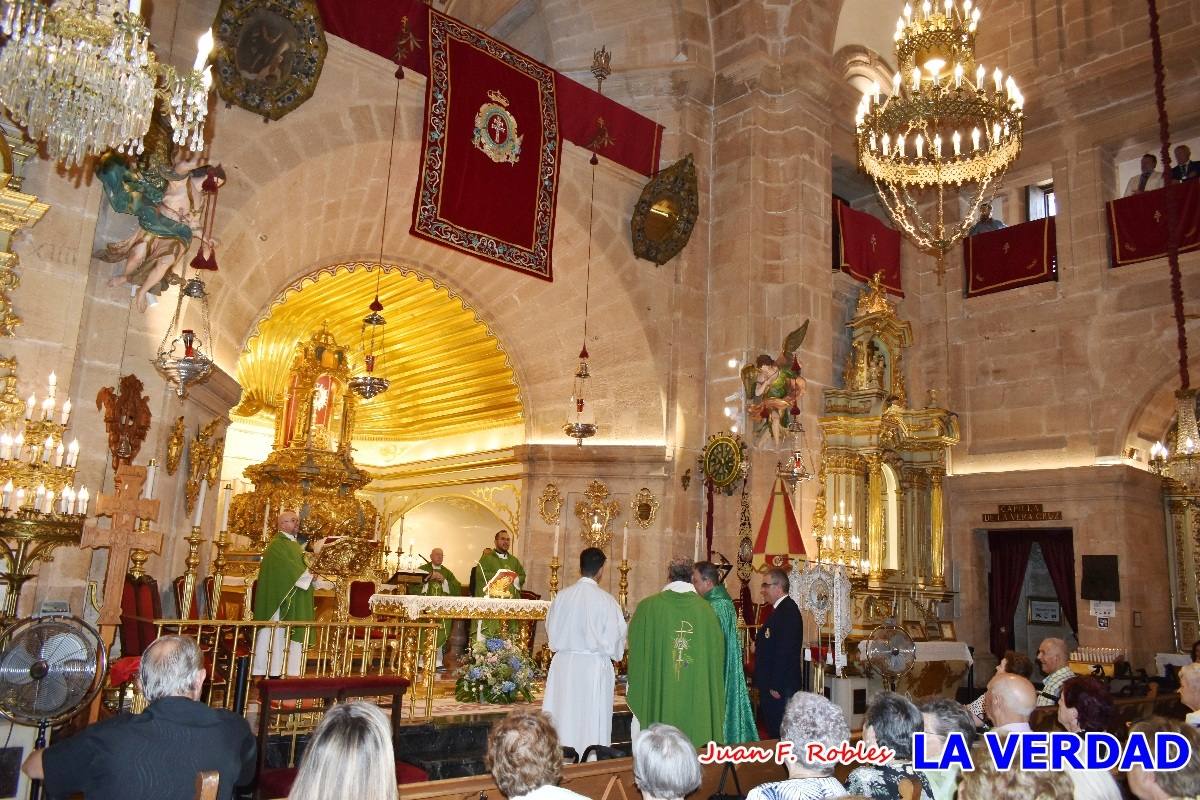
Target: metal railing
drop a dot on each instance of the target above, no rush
(236, 653)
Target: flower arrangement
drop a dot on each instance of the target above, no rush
(495, 672)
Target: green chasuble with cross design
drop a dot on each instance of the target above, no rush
(275, 589)
(739, 716)
(677, 665)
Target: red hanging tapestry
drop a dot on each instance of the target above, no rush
(489, 159)
(1019, 255)
(864, 245)
(1137, 225)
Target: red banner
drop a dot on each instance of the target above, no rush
(489, 160)
(376, 25)
(1137, 225)
(863, 245)
(1019, 255)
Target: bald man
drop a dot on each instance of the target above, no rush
(1009, 701)
(1054, 659)
(283, 592)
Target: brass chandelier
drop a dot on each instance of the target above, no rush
(1181, 462)
(86, 82)
(945, 123)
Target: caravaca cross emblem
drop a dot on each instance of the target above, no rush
(496, 131)
(681, 644)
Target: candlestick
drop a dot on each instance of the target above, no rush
(228, 491)
(623, 585)
(555, 565)
(625, 542)
(189, 580)
(200, 504)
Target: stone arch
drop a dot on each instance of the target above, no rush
(860, 67)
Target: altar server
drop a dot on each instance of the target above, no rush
(587, 633)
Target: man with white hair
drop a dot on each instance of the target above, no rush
(1053, 658)
(283, 592)
(1189, 692)
(1010, 701)
(154, 755)
(664, 764)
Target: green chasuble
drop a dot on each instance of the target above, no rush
(677, 665)
(435, 587)
(739, 716)
(282, 565)
(485, 570)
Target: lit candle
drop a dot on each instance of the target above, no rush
(38, 497)
(6, 442)
(73, 453)
(47, 447)
(557, 531)
(966, 7)
(957, 139)
(625, 543)
(975, 138)
(907, 11)
(135, 6)
(69, 500)
(900, 146)
(896, 84)
(267, 521)
(926, 9)
(979, 73)
(29, 404)
(975, 15)
(696, 548)
(148, 488)
(887, 144)
(203, 47)
(66, 412)
(200, 504)
(949, 6)
(6, 495)
(875, 90)
(916, 79)
(920, 146)
(48, 408)
(995, 134)
(20, 499)
(82, 502)
(58, 454)
(228, 501)
(958, 75)
(998, 78)
(18, 446)
(48, 507)
(937, 145)
(53, 384)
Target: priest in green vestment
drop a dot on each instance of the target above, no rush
(439, 581)
(677, 660)
(498, 573)
(283, 592)
(739, 715)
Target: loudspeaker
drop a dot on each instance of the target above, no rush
(1100, 579)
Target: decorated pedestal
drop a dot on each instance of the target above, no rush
(422, 608)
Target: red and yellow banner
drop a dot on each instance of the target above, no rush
(863, 245)
(1019, 255)
(489, 160)
(1137, 225)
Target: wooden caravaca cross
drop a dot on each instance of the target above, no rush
(124, 506)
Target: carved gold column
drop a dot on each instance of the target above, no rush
(17, 211)
(903, 562)
(937, 530)
(1182, 530)
(875, 522)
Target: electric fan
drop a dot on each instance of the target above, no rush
(50, 668)
(890, 652)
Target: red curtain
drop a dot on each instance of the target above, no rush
(1137, 225)
(864, 245)
(1058, 549)
(1019, 255)
(1010, 555)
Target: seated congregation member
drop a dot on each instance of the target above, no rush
(1010, 702)
(986, 782)
(1183, 782)
(1014, 662)
(1085, 706)
(891, 721)
(1054, 659)
(154, 755)
(1196, 652)
(349, 757)
(808, 718)
(943, 717)
(1189, 691)
(525, 758)
(665, 766)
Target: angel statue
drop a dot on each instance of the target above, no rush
(167, 194)
(774, 387)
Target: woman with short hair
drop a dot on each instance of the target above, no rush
(1085, 706)
(525, 758)
(349, 757)
(808, 718)
(890, 721)
(665, 766)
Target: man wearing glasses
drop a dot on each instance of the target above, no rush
(777, 652)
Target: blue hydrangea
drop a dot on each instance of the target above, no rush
(494, 645)
(474, 673)
(514, 662)
(507, 686)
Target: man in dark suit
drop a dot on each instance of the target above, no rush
(777, 652)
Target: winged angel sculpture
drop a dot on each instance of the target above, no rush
(774, 387)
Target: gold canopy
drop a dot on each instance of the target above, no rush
(448, 373)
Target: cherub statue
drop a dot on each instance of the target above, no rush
(774, 387)
(167, 194)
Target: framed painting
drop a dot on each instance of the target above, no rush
(947, 631)
(915, 628)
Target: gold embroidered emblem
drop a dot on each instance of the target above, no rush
(681, 645)
(496, 131)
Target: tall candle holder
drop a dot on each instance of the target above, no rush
(623, 585)
(220, 542)
(555, 566)
(189, 577)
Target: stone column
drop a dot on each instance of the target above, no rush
(937, 531)
(875, 493)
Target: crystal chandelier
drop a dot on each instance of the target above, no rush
(1181, 463)
(946, 122)
(85, 83)
(191, 365)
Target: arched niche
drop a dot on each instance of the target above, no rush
(460, 525)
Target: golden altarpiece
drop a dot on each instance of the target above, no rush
(1182, 505)
(879, 509)
(311, 471)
